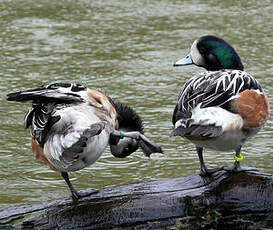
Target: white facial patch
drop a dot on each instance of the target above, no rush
(195, 54)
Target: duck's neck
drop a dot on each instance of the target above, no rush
(128, 119)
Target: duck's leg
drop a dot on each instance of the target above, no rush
(238, 158)
(203, 167)
(236, 166)
(76, 195)
(204, 171)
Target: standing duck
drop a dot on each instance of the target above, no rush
(222, 108)
(72, 125)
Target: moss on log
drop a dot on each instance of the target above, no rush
(225, 200)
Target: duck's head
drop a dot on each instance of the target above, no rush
(213, 54)
(128, 121)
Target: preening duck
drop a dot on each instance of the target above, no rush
(222, 108)
(72, 125)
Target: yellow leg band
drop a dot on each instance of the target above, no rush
(239, 158)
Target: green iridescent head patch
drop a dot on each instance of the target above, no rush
(224, 53)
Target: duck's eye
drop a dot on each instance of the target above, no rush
(202, 49)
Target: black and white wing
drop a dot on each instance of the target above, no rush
(56, 92)
(209, 90)
(45, 100)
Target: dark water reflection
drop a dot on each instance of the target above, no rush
(125, 48)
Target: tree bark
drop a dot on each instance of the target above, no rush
(241, 200)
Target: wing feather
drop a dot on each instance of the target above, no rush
(56, 92)
(216, 88)
(45, 101)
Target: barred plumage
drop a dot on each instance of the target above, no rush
(213, 88)
(222, 109)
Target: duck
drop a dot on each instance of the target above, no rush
(71, 126)
(222, 108)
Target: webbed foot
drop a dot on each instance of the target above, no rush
(235, 168)
(204, 172)
(78, 195)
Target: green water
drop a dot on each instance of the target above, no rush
(126, 48)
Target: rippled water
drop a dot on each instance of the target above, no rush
(126, 48)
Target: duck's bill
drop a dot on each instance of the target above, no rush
(185, 61)
(148, 147)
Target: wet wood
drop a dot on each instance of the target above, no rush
(225, 200)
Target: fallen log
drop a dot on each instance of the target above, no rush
(225, 200)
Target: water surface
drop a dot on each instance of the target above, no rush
(126, 48)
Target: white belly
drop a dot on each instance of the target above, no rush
(92, 152)
(230, 140)
(74, 121)
(94, 149)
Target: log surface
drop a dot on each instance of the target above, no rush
(239, 200)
